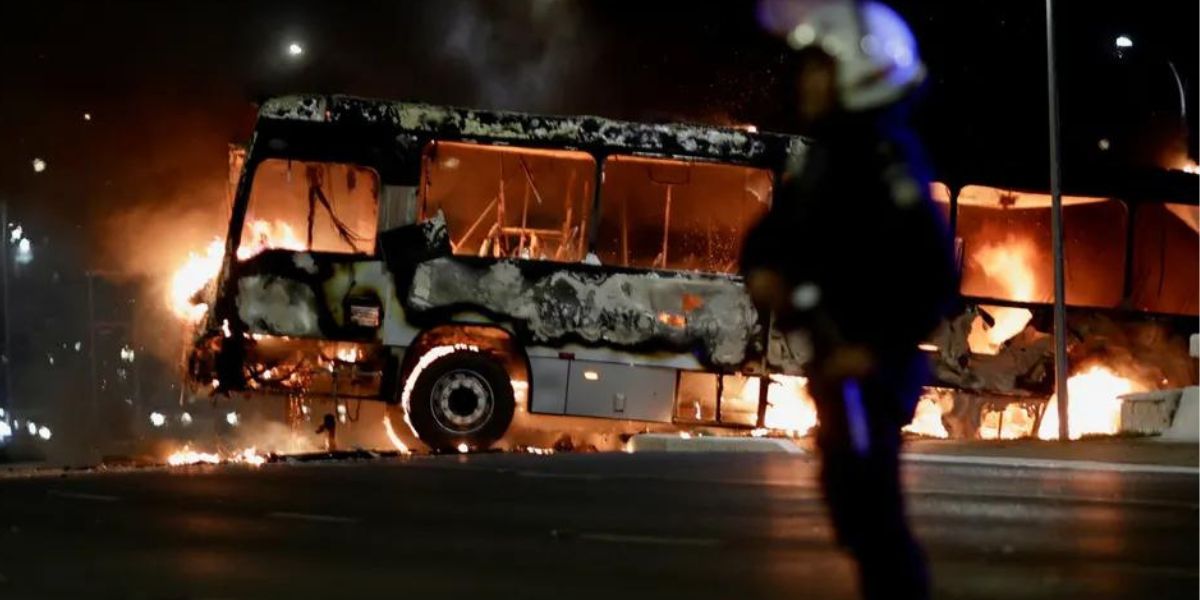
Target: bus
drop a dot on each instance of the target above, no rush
(457, 263)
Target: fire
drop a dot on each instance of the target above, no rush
(348, 353)
(202, 267)
(1010, 266)
(1012, 423)
(789, 406)
(187, 456)
(1094, 406)
(927, 420)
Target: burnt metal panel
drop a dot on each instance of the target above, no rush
(548, 389)
(612, 391)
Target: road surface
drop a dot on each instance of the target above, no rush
(612, 526)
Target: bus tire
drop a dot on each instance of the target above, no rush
(461, 401)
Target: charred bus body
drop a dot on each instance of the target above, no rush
(431, 257)
(463, 266)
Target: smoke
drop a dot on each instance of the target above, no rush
(515, 55)
(145, 243)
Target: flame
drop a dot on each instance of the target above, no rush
(1010, 266)
(1012, 423)
(927, 420)
(187, 456)
(202, 267)
(1094, 407)
(348, 353)
(790, 408)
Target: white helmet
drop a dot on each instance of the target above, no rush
(875, 51)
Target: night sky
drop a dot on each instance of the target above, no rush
(169, 84)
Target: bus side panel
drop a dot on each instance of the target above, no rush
(606, 390)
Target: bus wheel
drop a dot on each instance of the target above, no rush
(461, 401)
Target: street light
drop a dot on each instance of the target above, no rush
(294, 49)
(1123, 41)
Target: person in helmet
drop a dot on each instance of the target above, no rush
(856, 264)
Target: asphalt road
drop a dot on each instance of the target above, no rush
(578, 526)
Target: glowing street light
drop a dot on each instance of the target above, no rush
(294, 49)
(158, 419)
(39, 165)
(231, 418)
(1124, 41)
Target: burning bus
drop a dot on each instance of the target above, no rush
(448, 261)
(467, 267)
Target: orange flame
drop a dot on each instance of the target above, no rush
(187, 456)
(1094, 407)
(1010, 266)
(202, 267)
(927, 420)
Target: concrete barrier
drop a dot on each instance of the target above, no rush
(669, 442)
(1185, 425)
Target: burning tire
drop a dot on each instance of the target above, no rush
(461, 400)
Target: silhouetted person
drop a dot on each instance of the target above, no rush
(329, 428)
(856, 263)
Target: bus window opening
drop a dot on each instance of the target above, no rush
(324, 207)
(504, 202)
(678, 215)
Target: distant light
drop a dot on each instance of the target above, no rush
(1104, 144)
(231, 417)
(127, 354)
(78, 346)
(295, 49)
(17, 233)
(24, 251)
(591, 375)
(1, 413)
(39, 165)
(463, 448)
(32, 428)
(186, 419)
(5, 430)
(926, 347)
(44, 432)
(1123, 41)
(87, 116)
(158, 419)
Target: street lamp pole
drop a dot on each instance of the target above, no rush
(1056, 233)
(6, 353)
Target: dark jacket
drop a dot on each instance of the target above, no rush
(857, 222)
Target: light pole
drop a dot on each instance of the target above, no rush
(1056, 232)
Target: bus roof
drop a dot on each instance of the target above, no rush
(594, 134)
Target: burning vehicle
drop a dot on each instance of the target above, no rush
(466, 267)
(447, 261)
